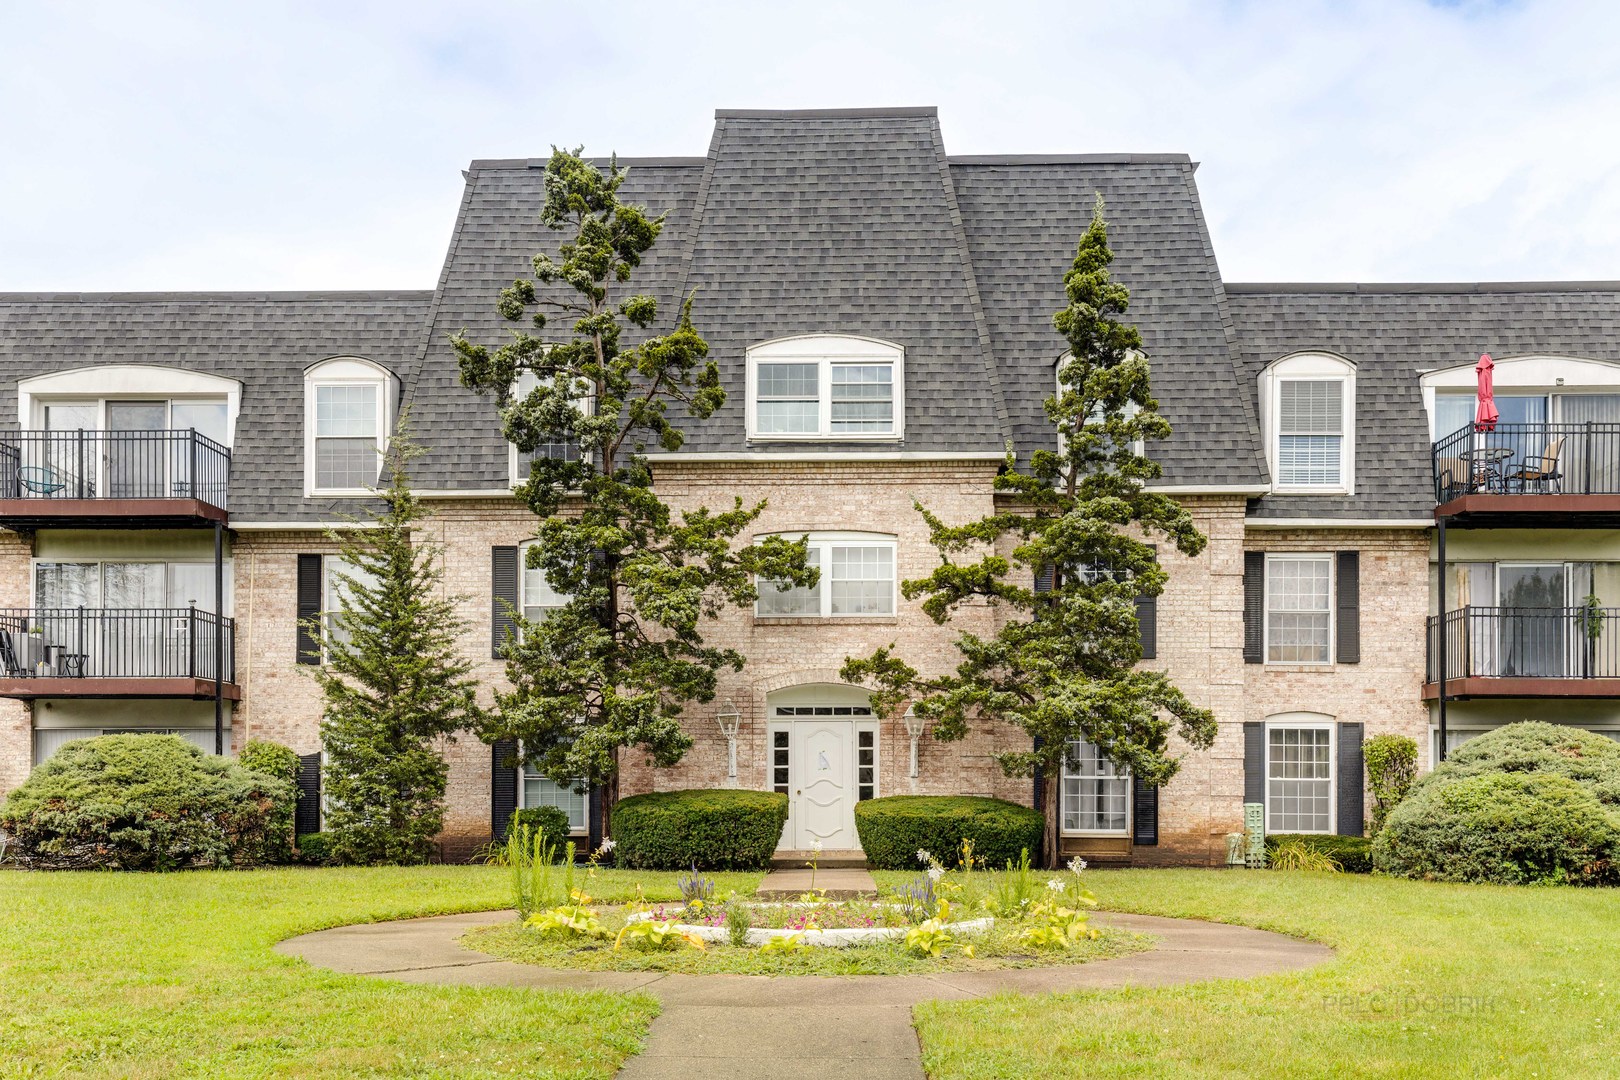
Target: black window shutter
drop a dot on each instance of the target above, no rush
(309, 607)
(593, 818)
(503, 786)
(1147, 623)
(1254, 607)
(1043, 579)
(307, 818)
(1145, 813)
(1349, 607)
(504, 587)
(1039, 801)
(1351, 798)
(1254, 763)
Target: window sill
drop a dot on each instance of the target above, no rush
(345, 493)
(1279, 489)
(884, 437)
(829, 620)
(1326, 665)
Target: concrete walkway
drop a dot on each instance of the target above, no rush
(796, 1028)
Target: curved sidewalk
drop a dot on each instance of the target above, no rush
(855, 1027)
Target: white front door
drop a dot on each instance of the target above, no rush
(823, 783)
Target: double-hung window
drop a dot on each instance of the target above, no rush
(1299, 609)
(825, 387)
(1309, 404)
(1096, 792)
(857, 578)
(538, 598)
(340, 580)
(538, 790)
(1299, 777)
(348, 408)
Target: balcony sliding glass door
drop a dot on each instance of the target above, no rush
(1533, 631)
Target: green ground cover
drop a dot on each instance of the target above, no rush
(1431, 980)
(171, 975)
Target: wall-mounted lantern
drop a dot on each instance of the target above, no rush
(729, 720)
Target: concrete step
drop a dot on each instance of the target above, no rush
(834, 883)
(785, 859)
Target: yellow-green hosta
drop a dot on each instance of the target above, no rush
(573, 920)
(1058, 927)
(784, 943)
(656, 934)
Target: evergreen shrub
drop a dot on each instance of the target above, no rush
(894, 828)
(716, 829)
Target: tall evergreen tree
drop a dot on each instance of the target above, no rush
(394, 682)
(1061, 667)
(616, 665)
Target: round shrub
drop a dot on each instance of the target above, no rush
(142, 802)
(315, 849)
(894, 828)
(551, 822)
(1353, 854)
(281, 762)
(723, 829)
(1508, 828)
(1534, 747)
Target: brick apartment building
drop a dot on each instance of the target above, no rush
(1321, 432)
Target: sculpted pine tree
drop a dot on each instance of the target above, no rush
(1062, 667)
(394, 683)
(616, 665)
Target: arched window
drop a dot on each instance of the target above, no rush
(349, 408)
(826, 386)
(1308, 408)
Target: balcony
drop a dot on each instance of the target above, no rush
(1531, 474)
(116, 653)
(111, 478)
(1526, 652)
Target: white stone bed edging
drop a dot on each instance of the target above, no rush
(834, 939)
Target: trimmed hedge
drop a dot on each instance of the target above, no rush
(315, 849)
(1583, 756)
(1507, 828)
(281, 762)
(1352, 853)
(894, 828)
(722, 829)
(143, 802)
(552, 824)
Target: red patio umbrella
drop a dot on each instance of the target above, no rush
(1485, 403)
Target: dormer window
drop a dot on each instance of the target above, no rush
(1308, 404)
(348, 410)
(825, 387)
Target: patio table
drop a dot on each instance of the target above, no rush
(1484, 464)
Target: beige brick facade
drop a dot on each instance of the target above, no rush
(1200, 637)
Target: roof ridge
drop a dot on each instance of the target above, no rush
(259, 295)
(980, 323)
(1070, 159)
(826, 114)
(1259, 287)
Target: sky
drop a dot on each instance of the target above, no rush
(282, 145)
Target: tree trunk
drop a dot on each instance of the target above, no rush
(1051, 789)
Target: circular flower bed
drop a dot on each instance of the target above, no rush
(835, 924)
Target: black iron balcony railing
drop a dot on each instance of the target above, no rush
(116, 643)
(1526, 643)
(114, 465)
(1581, 458)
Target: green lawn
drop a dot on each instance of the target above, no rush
(1431, 981)
(154, 976)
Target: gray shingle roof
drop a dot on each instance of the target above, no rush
(856, 222)
(264, 340)
(1392, 333)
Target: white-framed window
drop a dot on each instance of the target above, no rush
(1300, 774)
(1308, 406)
(1096, 415)
(537, 790)
(826, 386)
(349, 407)
(536, 597)
(555, 450)
(1299, 608)
(857, 578)
(339, 575)
(1096, 793)
(129, 584)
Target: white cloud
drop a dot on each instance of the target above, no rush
(306, 145)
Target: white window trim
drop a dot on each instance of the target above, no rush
(348, 371)
(514, 458)
(1130, 809)
(1138, 446)
(825, 542)
(826, 349)
(227, 566)
(523, 581)
(1310, 367)
(124, 382)
(1313, 722)
(862, 727)
(1332, 607)
(1535, 373)
(523, 799)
